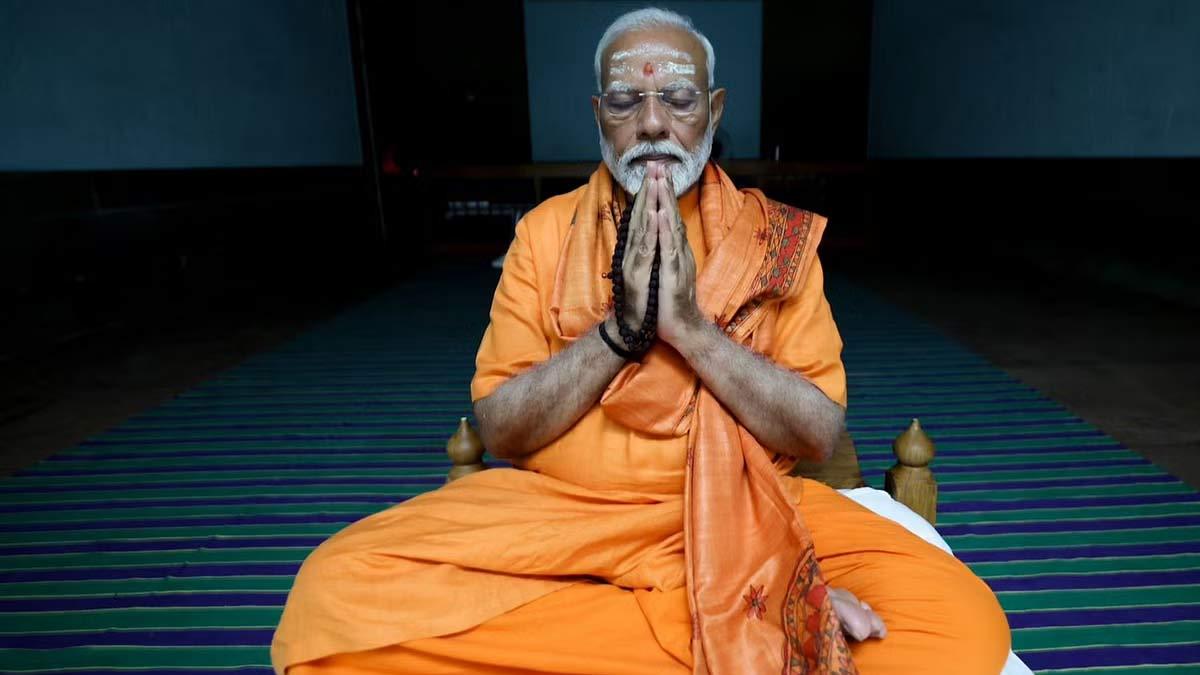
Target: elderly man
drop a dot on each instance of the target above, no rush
(660, 353)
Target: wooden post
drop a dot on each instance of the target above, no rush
(911, 481)
(841, 471)
(465, 451)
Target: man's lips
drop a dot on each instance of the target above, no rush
(656, 158)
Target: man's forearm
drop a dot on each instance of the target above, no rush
(532, 409)
(784, 411)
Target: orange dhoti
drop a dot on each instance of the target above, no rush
(627, 544)
(941, 618)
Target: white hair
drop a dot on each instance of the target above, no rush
(684, 173)
(652, 17)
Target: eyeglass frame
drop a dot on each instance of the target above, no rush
(657, 93)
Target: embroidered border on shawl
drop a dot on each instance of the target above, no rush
(786, 240)
(813, 640)
(741, 315)
(785, 236)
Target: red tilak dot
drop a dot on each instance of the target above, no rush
(648, 69)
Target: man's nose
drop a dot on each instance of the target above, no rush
(652, 121)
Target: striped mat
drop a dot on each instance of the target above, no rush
(168, 544)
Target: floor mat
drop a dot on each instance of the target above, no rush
(168, 544)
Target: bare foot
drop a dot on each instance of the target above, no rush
(859, 621)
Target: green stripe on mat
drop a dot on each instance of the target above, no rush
(126, 587)
(197, 555)
(1059, 637)
(145, 617)
(17, 660)
(1176, 669)
(1026, 568)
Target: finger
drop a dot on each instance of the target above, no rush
(856, 622)
(878, 629)
(664, 200)
(650, 236)
(857, 627)
(652, 225)
(678, 237)
(666, 235)
(636, 216)
(648, 182)
(672, 204)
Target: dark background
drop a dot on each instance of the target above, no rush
(931, 153)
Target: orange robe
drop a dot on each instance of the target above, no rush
(576, 562)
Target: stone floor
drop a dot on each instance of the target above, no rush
(1126, 362)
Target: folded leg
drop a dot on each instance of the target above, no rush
(585, 628)
(940, 617)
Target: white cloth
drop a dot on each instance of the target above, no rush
(882, 503)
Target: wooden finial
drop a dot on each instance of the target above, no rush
(465, 451)
(914, 447)
(911, 481)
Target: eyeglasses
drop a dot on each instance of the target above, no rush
(681, 102)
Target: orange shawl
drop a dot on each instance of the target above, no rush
(756, 593)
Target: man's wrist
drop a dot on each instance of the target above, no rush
(697, 340)
(612, 329)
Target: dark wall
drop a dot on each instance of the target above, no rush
(137, 84)
(158, 153)
(1035, 78)
(1088, 212)
(815, 71)
(447, 83)
(146, 229)
(84, 251)
(1024, 131)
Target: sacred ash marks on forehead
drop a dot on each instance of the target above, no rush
(650, 59)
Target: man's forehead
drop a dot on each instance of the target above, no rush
(650, 49)
(654, 53)
(663, 42)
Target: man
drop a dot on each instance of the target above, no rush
(650, 526)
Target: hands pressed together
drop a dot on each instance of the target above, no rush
(656, 225)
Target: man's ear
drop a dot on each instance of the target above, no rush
(716, 107)
(596, 110)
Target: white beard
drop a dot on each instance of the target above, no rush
(684, 173)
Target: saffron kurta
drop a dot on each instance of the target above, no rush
(575, 562)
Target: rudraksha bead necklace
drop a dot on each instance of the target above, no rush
(639, 341)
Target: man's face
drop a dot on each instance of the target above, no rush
(676, 128)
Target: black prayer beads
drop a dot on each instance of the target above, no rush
(638, 342)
